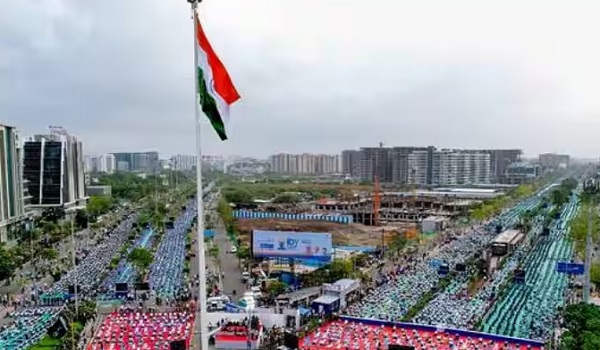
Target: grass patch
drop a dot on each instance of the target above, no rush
(46, 343)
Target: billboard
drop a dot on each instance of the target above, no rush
(289, 244)
(570, 268)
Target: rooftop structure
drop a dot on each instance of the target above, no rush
(449, 193)
(508, 237)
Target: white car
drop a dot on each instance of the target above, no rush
(256, 292)
(233, 249)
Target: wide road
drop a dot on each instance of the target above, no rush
(229, 263)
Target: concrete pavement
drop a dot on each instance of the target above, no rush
(229, 264)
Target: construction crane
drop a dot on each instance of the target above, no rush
(376, 191)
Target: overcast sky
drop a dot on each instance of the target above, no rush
(314, 75)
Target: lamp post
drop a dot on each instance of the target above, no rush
(73, 256)
(248, 303)
(590, 188)
(249, 308)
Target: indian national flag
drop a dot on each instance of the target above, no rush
(215, 89)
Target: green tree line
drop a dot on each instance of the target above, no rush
(583, 328)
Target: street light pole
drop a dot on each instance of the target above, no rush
(74, 266)
(590, 190)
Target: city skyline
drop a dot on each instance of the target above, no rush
(437, 81)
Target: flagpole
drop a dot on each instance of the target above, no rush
(202, 315)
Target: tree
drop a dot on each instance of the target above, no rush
(141, 258)
(226, 213)
(53, 214)
(287, 198)
(8, 264)
(243, 252)
(81, 218)
(70, 340)
(398, 244)
(583, 327)
(47, 254)
(276, 287)
(87, 310)
(595, 273)
(240, 196)
(340, 268)
(213, 251)
(559, 196)
(99, 205)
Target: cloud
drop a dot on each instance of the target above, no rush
(315, 76)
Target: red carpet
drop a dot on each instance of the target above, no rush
(143, 331)
(354, 336)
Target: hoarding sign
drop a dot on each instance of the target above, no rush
(570, 268)
(289, 244)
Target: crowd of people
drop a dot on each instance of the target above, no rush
(240, 329)
(526, 311)
(28, 327)
(404, 286)
(93, 265)
(40, 306)
(456, 308)
(166, 272)
(346, 335)
(125, 272)
(531, 309)
(143, 330)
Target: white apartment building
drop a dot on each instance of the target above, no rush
(182, 162)
(305, 164)
(104, 163)
(418, 168)
(448, 167)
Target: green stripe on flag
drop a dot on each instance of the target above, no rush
(209, 107)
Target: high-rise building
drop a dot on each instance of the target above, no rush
(458, 167)
(500, 159)
(305, 164)
(54, 169)
(551, 161)
(213, 163)
(139, 162)
(123, 166)
(12, 195)
(400, 163)
(376, 161)
(423, 165)
(351, 162)
(420, 166)
(90, 163)
(390, 164)
(183, 162)
(521, 172)
(106, 163)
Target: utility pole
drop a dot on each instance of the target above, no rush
(588, 256)
(73, 256)
(590, 188)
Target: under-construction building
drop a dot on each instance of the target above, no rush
(409, 206)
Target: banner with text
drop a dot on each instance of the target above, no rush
(290, 244)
